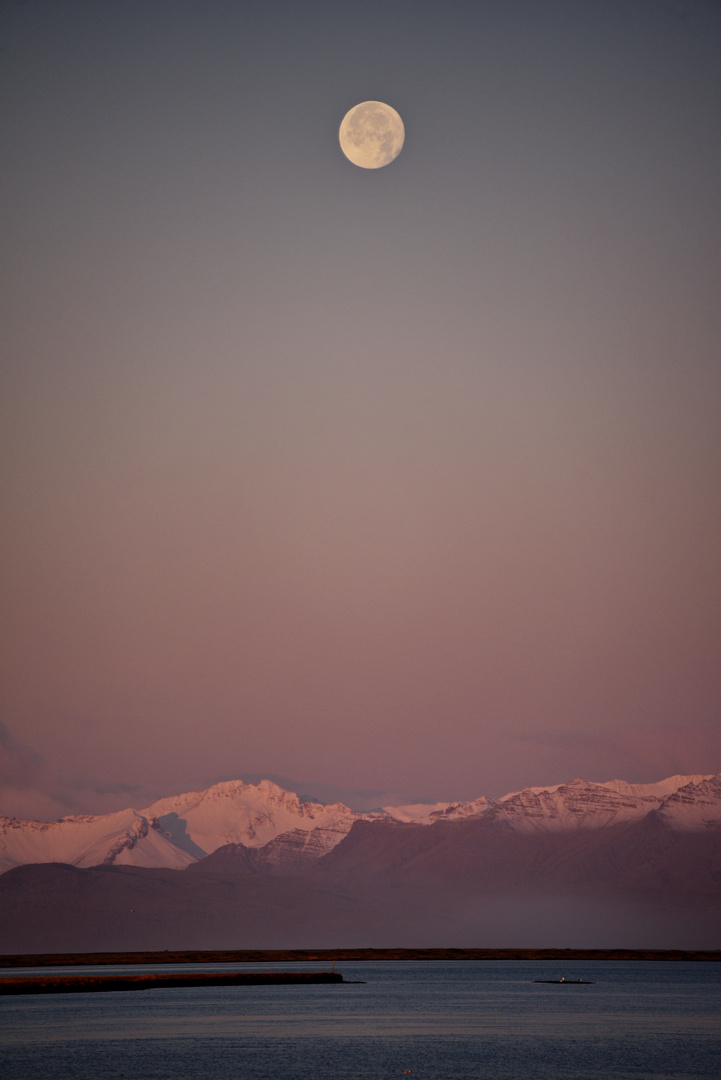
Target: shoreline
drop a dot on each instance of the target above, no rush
(328, 956)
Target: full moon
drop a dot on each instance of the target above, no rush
(371, 134)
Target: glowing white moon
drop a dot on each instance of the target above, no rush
(371, 134)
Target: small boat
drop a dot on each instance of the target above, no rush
(567, 982)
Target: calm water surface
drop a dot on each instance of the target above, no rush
(442, 1021)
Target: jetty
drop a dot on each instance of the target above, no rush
(84, 984)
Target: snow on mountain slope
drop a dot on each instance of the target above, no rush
(251, 814)
(417, 813)
(299, 847)
(427, 813)
(580, 804)
(584, 805)
(125, 838)
(659, 790)
(175, 832)
(694, 807)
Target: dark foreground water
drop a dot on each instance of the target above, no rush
(441, 1021)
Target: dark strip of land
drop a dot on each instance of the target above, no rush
(327, 956)
(84, 984)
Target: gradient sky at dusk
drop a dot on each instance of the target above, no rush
(397, 484)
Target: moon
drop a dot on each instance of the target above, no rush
(371, 134)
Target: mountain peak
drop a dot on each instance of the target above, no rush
(285, 831)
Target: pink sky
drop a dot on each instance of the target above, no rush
(399, 484)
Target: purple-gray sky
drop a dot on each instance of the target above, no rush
(403, 483)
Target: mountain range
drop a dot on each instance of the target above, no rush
(239, 865)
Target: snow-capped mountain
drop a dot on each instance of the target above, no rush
(125, 839)
(694, 807)
(583, 805)
(427, 813)
(282, 832)
(249, 814)
(177, 831)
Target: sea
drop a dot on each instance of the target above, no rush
(422, 1020)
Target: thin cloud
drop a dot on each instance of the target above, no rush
(20, 766)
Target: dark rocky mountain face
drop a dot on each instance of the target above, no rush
(472, 882)
(485, 854)
(229, 859)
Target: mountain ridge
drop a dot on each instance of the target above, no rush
(286, 832)
(576, 865)
(465, 883)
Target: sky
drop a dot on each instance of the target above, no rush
(391, 485)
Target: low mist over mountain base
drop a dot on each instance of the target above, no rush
(574, 866)
(56, 908)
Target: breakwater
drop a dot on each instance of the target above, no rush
(84, 984)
